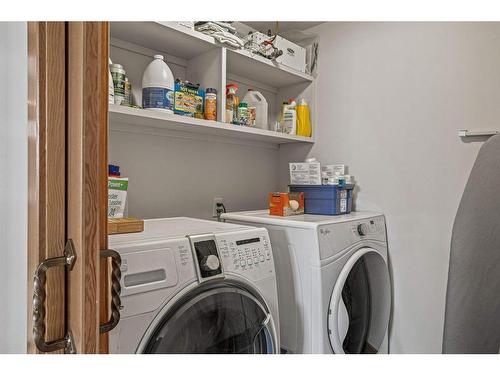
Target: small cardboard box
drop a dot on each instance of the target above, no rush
(333, 170)
(117, 196)
(286, 204)
(305, 173)
(188, 99)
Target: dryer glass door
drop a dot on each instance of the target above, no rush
(360, 304)
(220, 320)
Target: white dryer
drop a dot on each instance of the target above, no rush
(196, 286)
(333, 280)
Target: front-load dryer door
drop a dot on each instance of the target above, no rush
(223, 319)
(360, 304)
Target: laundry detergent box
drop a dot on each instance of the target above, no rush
(286, 204)
(332, 170)
(307, 173)
(188, 99)
(117, 196)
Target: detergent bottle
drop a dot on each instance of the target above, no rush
(158, 86)
(256, 99)
(303, 119)
(289, 123)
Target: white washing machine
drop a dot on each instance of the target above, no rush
(333, 280)
(196, 286)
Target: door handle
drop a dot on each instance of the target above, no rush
(265, 325)
(116, 274)
(39, 295)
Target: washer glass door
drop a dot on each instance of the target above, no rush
(219, 320)
(360, 304)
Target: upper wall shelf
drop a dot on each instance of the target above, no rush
(143, 118)
(168, 37)
(247, 64)
(185, 43)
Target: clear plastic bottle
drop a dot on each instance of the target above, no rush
(232, 102)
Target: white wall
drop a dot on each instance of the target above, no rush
(13, 186)
(391, 98)
(177, 174)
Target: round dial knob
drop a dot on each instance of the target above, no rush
(362, 229)
(210, 263)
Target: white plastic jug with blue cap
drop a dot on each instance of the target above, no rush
(158, 86)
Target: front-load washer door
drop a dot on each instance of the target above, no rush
(360, 304)
(223, 319)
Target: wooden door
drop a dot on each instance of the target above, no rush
(68, 79)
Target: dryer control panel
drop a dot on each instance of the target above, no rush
(334, 238)
(370, 228)
(247, 253)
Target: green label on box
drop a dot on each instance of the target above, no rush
(118, 184)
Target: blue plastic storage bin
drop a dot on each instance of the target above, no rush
(325, 199)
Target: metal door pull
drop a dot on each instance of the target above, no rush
(39, 296)
(116, 274)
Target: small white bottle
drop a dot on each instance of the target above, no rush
(158, 86)
(289, 124)
(111, 86)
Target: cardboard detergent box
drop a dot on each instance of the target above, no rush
(188, 99)
(286, 204)
(117, 196)
(307, 173)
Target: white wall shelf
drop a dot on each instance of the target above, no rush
(185, 43)
(465, 133)
(168, 37)
(142, 119)
(247, 64)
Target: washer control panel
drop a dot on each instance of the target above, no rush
(247, 253)
(206, 255)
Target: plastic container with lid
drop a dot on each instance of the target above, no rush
(211, 104)
(326, 199)
(256, 99)
(118, 75)
(158, 86)
(243, 114)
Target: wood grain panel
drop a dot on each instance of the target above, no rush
(75, 178)
(46, 167)
(68, 173)
(105, 281)
(87, 143)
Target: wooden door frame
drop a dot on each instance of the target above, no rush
(46, 168)
(67, 182)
